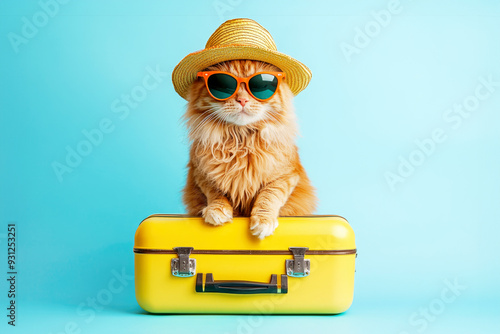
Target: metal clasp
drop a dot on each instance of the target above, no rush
(183, 266)
(298, 267)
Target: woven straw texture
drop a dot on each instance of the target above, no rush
(239, 39)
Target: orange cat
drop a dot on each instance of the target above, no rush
(243, 158)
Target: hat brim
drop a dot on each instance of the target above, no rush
(184, 74)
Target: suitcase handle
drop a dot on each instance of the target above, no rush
(241, 287)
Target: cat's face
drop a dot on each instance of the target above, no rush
(242, 109)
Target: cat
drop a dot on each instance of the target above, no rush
(243, 160)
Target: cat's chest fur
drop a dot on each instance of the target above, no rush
(239, 166)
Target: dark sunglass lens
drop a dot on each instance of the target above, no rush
(222, 85)
(263, 85)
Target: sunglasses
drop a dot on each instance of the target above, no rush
(222, 85)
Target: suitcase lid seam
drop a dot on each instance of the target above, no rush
(245, 252)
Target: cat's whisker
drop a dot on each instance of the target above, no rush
(269, 113)
(201, 125)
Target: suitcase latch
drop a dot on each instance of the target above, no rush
(183, 266)
(298, 267)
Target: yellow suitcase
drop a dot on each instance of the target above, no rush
(183, 265)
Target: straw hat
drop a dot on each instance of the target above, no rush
(239, 39)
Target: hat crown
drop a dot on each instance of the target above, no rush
(244, 32)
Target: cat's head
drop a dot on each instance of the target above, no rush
(241, 110)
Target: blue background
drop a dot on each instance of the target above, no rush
(358, 117)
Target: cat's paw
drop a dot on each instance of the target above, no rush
(263, 226)
(217, 214)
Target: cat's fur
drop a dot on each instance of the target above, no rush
(244, 163)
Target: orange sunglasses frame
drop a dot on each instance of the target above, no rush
(207, 74)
